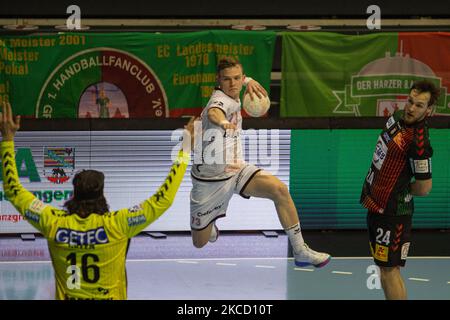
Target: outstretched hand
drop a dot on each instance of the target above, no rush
(8, 123)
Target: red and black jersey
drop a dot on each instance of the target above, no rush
(401, 153)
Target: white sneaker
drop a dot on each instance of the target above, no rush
(214, 233)
(308, 257)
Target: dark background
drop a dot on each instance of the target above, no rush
(225, 8)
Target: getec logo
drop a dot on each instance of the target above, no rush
(75, 237)
(380, 153)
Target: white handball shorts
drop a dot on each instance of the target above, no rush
(210, 198)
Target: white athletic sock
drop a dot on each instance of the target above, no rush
(213, 235)
(295, 237)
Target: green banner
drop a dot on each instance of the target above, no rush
(329, 74)
(124, 75)
(328, 168)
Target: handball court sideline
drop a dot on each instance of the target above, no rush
(241, 266)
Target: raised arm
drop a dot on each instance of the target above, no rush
(9, 124)
(24, 201)
(134, 220)
(217, 116)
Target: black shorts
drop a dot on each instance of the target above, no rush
(389, 238)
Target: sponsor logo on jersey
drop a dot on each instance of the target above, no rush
(381, 252)
(134, 221)
(217, 103)
(390, 122)
(386, 137)
(393, 131)
(379, 154)
(135, 208)
(32, 216)
(400, 141)
(37, 206)
(75, 237)
(405, 249)
(421, 166)
(201, 214)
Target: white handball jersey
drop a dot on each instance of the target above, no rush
(219, 154)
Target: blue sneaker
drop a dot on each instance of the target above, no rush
(308, 257)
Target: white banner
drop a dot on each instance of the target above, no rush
(135, 164)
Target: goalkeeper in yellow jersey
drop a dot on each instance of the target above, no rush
(87, 242)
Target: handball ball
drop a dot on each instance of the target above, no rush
(256, 107)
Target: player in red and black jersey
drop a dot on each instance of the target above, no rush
(401, 169)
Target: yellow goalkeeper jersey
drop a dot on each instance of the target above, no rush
(88, 254)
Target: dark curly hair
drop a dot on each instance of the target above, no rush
(427, 86)
(87, 194)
